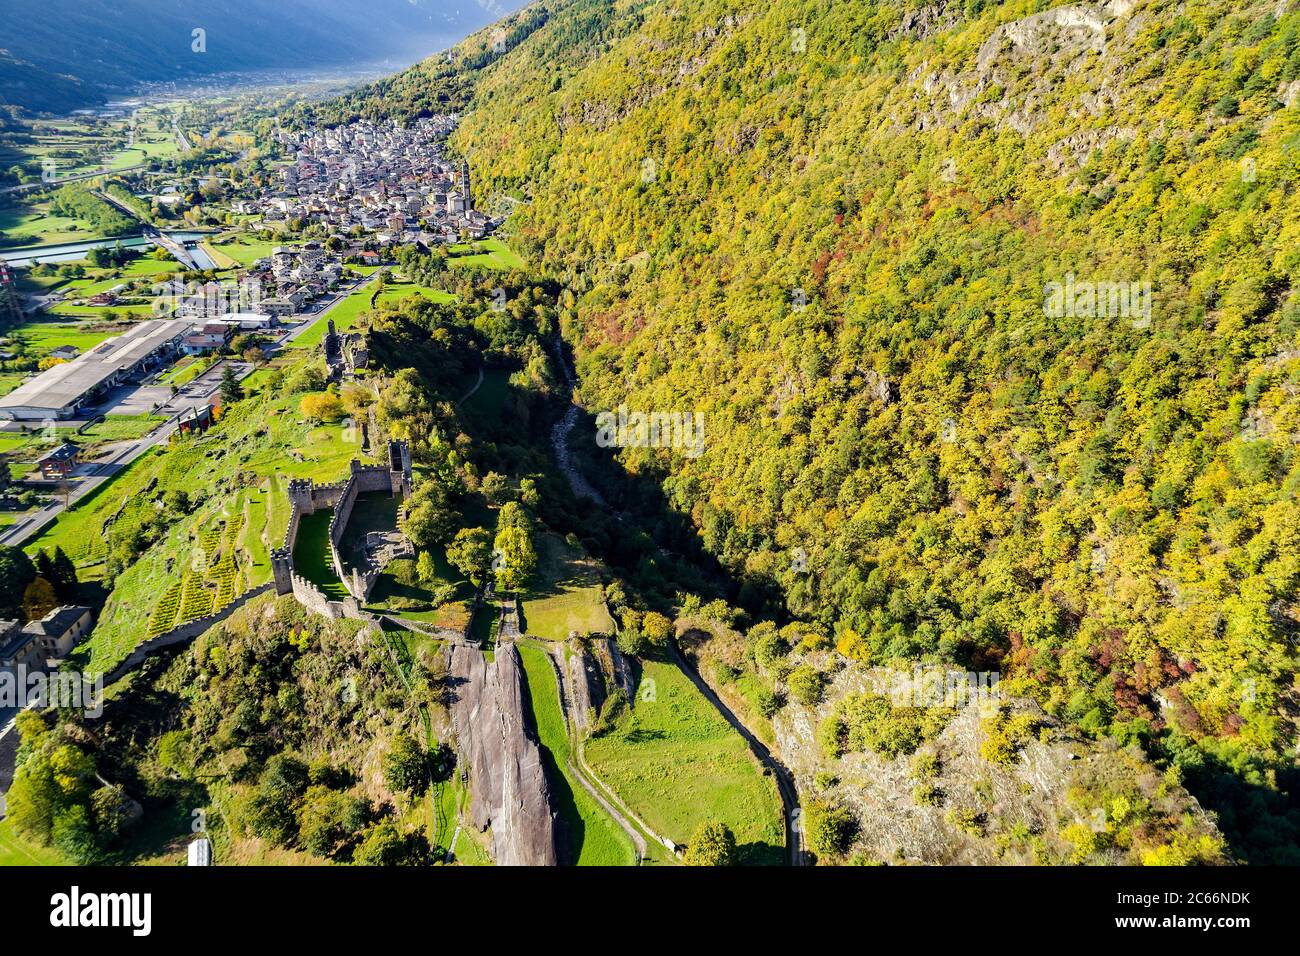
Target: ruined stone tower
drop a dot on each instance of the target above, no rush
(282, 570)
(399, 466)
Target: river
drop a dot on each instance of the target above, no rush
(72, 251)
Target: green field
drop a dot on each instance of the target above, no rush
(9, 381)
(567, 596)
(347, 312)
(311, 554)
(37, 226)
(115, 428)
(242, 250)
(44, 335)
(594, 838)
(491, 253)
(17, 851)
(677, 763)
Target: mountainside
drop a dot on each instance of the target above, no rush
(64, 54)
(990, 310)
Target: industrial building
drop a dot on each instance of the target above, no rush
(60, 392)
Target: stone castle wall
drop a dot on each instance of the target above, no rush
(306, 497)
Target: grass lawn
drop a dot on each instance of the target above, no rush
(594, 839)
(37, 226)
(311, 554)
(18, 851)
(567, 596)
(349, 311)
(491, 253)
(240, 250)
(9, 381)
(102, 311)
(187, 370)
(678, 763)
(42, 336)
(115, 428)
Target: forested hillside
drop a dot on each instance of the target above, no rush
(872, 243)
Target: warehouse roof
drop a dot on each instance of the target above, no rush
(66, 384)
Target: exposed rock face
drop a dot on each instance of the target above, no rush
(508, 790)
(1021, 807)
(586, 685)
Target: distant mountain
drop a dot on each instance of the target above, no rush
(70, 53)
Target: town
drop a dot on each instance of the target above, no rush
(386, 179)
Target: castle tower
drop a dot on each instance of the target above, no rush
(282, 570)
(399, 466)
(300, 495)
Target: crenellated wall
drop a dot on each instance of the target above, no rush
(306, 497)
(179, 635)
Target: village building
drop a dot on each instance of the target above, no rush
(58, 463)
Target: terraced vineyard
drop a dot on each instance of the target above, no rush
(216, 577)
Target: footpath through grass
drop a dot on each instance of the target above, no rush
(593, 838)
(677, 763)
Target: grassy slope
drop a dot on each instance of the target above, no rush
(567, 596)
(678, 763)
(347, 312)
(243, 464)
(596, 840)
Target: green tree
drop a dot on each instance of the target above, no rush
(405, 766)
(470, 553)
(806, 684)
(16, 572)
(712, 845)
(430, 515)
(231, 390)
(830, 828)
(383, 844)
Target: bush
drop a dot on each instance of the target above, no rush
(806, 685)
(830, 828)
(384, 845)
(712, 845)
(406, 766)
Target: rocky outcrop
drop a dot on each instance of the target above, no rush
(508, 788)
(949, 803)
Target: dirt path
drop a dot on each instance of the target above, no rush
(473, 388)
(585, 776)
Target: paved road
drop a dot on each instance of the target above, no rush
(194, 394)
(309, 320)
